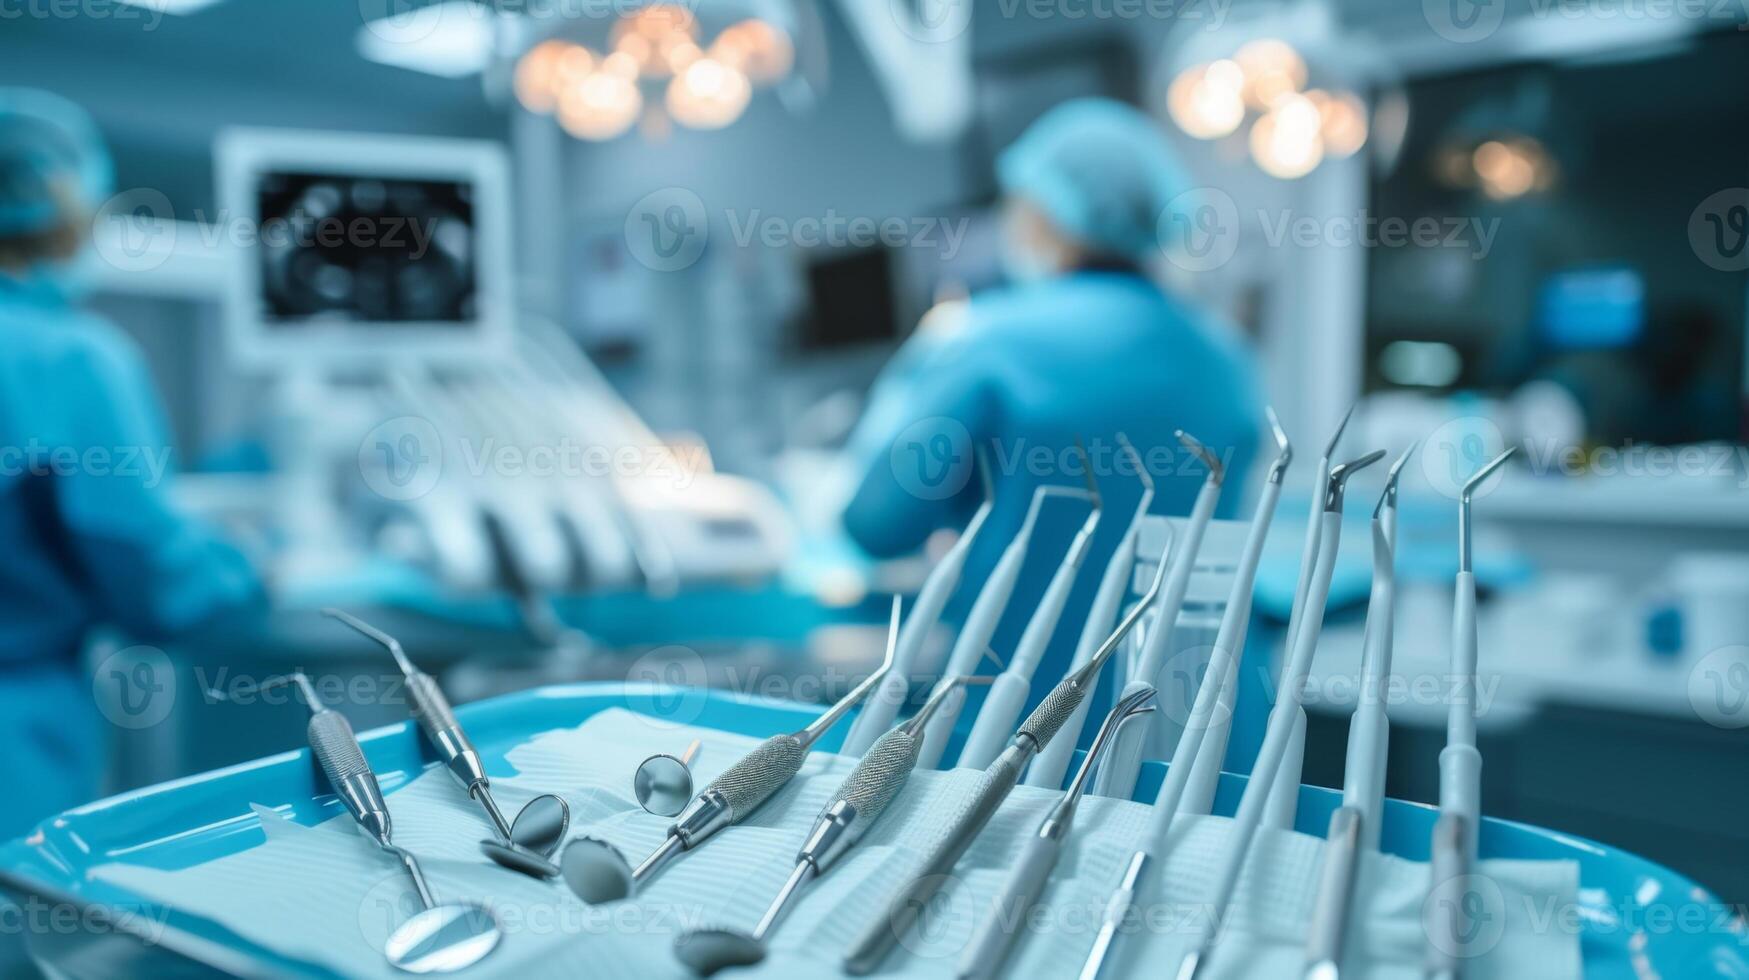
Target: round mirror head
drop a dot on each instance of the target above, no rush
(541, 825)
(519, 859)
(705, 951)
(596, 871)
(443, 939)
(663, 785)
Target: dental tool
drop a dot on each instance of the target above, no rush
(843, 821)
(663, 783)
(1355, 824)
(1284, 796)
(597, 872)
(533, 827)
(883, 705)
(997, 781)
(1460, 762)
(439, 938)
(981, 623)
(1047, 770)
(1283, 715)
(1223, 665)
(1118, 776)
(1001, 708)
(994, 940)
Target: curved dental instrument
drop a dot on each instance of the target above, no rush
(853, 809)
(1284, 796)
(438, 721)
(663, 783)
(993, 941)
(883, 705)
(1001, 708)
(1118, 776)
(597, 872)
(1356, 823)
(1460, 762)
(1223, 664)
(1047, 770)
(439, 938)
(981, 623)
(1282, 716)
(997, 781)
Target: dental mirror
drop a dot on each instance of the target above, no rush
(541, 825)
(443, 939)
(705, 951)
(595, 871)
(519, 859)
(663, 783)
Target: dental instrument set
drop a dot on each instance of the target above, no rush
(883, 705)
(858, 802)
(1460, 762)
(1282, 716)
(1355, 824)
(663, 783)
(1048, 768)
(991, 944)
(1118, 776)
(1222, 666)
(1001, 707)
(973, 642)
(992, 788)
(597, 872)
(440, 938)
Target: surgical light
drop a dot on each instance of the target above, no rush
(708, 95)
(1287, 141)
(601, 106)
(1204, 100)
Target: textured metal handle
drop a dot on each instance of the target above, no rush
(336, 748)
(762, 772)
(430, 707)
(1042, 725)
(877, 779)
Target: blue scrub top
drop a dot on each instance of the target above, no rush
(1028, 370)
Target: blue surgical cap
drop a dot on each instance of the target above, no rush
(51, 157)
(1100, 170)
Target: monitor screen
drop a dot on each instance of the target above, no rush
(339, 249)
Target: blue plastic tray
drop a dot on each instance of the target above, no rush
(1633, 918)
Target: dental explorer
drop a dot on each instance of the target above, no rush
(1460, 762)
(439, 938)
(1047, 770)
(843, 821)
(597, 872)
(981, 622)
(663, 783)
(1356, 821)
(1222, 666)
(994, 940)
(883, 705)
(997, 781)
(1284, 796)
(1118, 776)
(1282, 717)
(1001, 708)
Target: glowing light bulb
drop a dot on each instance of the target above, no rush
(600, 107)
(1286, 142)
(621, 65)
(757, 49)
(1203, 101)
(1272, 69)
(708, 95)
(1343, 125)
(538, 74)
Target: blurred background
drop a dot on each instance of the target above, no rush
(590, 340)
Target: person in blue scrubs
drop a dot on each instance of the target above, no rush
(1082, 343)
(88, 535)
